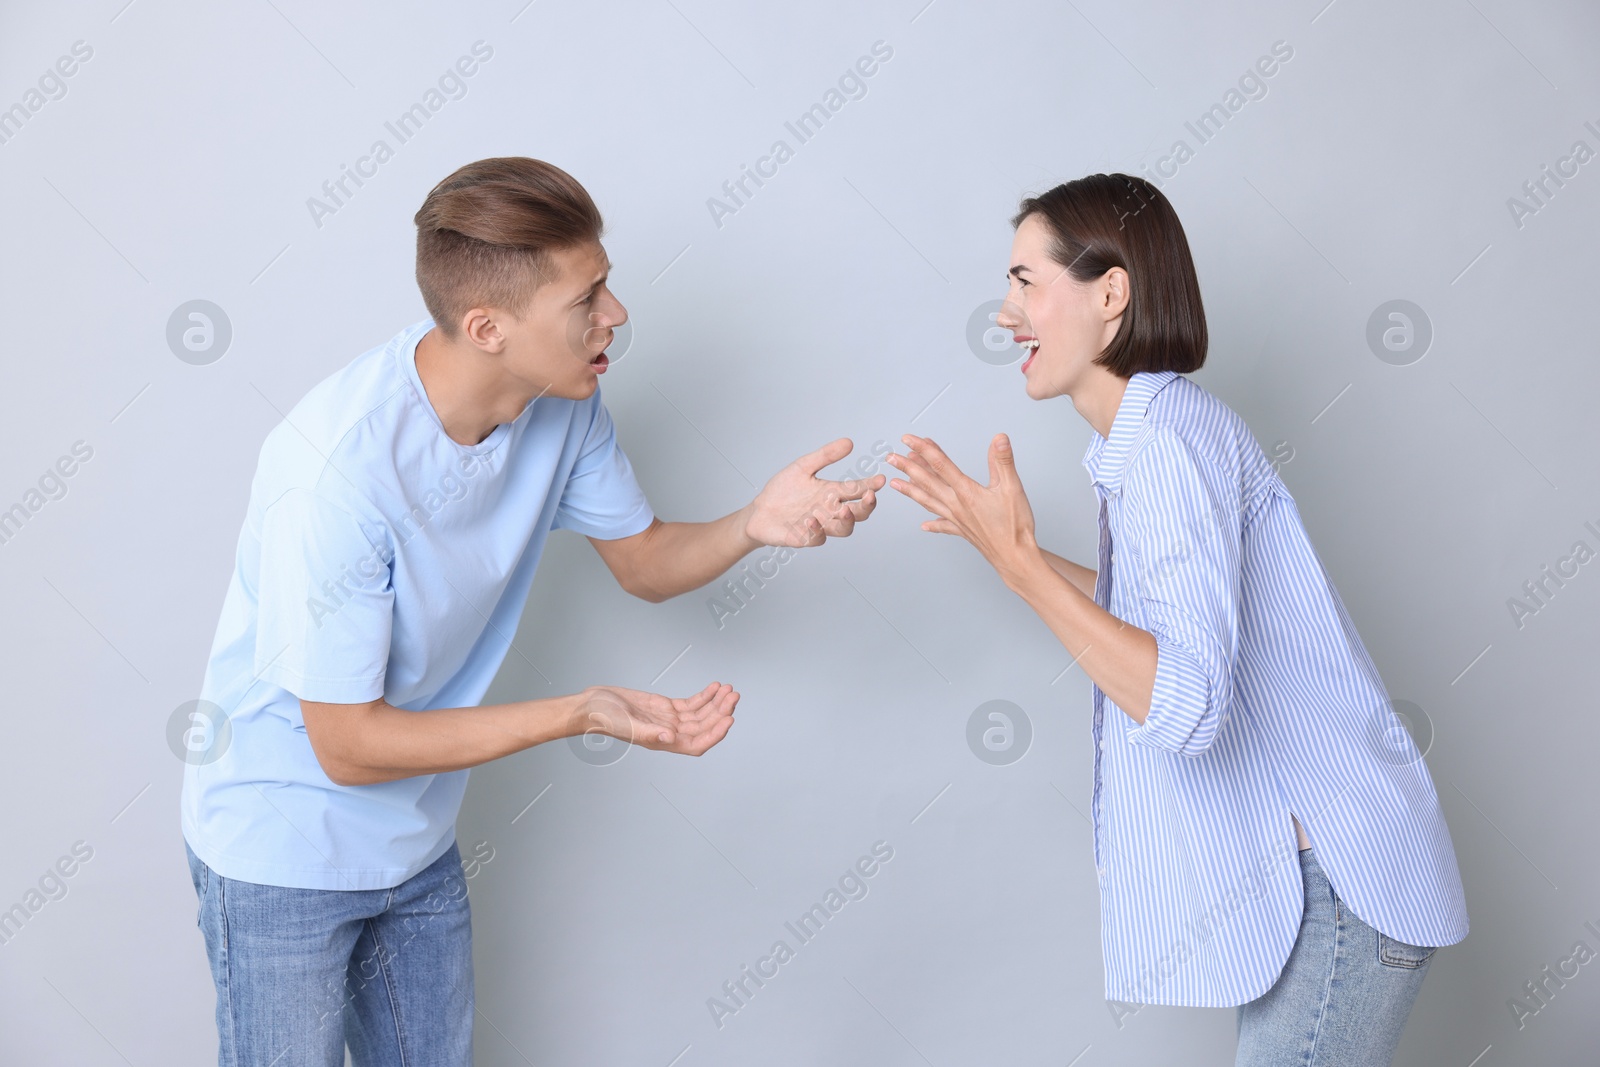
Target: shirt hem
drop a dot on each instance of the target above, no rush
(322, 690)
(348, 879)
(638, 523)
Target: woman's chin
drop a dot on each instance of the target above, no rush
(1038, 387)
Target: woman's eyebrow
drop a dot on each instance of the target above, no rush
(1018, 269)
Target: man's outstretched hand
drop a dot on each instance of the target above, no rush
(797, 509)
(686, 725)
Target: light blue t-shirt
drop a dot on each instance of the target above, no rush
(379, 558)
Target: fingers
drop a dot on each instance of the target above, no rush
(938, 463)
(832, 452)
(840, 525)
(846, 503)
(854, 489)
(923, 497)
(700, 743)
(811, 533)
(921, 477)
(913, 460)
(715, 699)
(691, 705)
(694, 736)
(721, 708)
(919, 472)
(1002, 463)
(842, 517)
(689, 724)
(860, 509)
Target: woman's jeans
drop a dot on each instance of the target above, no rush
(1343, 996)
(300, 972)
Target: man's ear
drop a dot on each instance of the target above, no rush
(481, 326)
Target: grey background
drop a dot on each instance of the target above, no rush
(1377, 167)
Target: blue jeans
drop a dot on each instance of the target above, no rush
(301, 972)
(1344, 994)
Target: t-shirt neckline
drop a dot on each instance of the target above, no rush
(408, 357)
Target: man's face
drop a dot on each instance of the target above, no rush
(558, 345)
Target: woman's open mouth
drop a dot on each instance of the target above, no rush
(600, 363)
(1032, 345)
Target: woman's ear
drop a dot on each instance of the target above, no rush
(1114, 292)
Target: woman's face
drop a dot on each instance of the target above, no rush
(1071, 321)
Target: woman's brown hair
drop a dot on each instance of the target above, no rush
(1117, 220)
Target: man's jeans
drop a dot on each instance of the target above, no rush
(1344, 994)
(300, 972)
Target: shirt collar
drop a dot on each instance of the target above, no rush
(1107, 457)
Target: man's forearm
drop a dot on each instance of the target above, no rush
(377, 742)
(680, 556)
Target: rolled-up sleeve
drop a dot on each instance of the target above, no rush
(1184, 544)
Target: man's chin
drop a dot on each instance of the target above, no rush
(581, 389)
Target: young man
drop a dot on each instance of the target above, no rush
(395, 521)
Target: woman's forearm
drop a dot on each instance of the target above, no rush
(1118, 657)
(1078, 575)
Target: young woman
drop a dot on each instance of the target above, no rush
(1265, 832)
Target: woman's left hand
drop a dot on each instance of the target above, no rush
(996, 519)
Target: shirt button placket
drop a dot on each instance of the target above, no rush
(1103, 598)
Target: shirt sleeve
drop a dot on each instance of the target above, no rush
(1185, 545)
(324, 602)
(601, 497)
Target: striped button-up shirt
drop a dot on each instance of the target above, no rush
(1265, 703)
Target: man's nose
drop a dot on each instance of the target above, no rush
(616, 314)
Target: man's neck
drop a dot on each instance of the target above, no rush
(465, 387)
